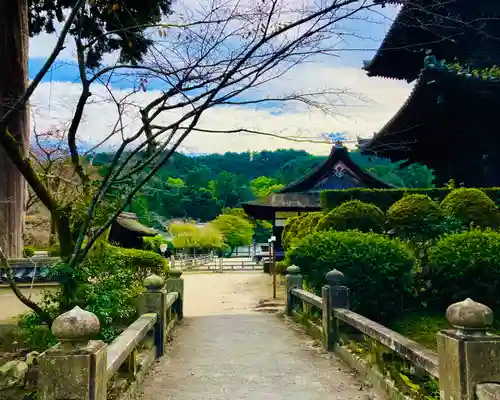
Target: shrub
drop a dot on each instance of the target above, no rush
(155, 243)
(377, 268)
(472, 206)
(281, 267)
(353, 215)
(29, 251)
(290, 230)
(415, 215)
(465, 265)
(384, 198)
(143, 262)
(308, 224)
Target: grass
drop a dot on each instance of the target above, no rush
(421, 328)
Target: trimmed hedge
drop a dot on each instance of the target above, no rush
(384, 198)
(309, 223)
(415, 215)
(472, 206)
(465, 265)
(377, 269)
(353, 214)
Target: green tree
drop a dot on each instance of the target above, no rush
(191, 236)
(263, 186)
(262, 229)
(236, 231)
(411, 176)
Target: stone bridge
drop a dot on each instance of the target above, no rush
(234, 343)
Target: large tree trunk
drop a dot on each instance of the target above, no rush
(14, 36)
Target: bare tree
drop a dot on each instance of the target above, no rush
(218, 55)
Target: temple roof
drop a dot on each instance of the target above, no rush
(130, 222)
(447, 115)
(337, 172)
(446, 28)
(30, 270)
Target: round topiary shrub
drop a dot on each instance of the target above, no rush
(465, 265)
(353, 214)
(472, 206)
(308, 224)
(377, 269)
(414, 215)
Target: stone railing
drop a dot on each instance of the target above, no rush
(467, 360)
(78, 368)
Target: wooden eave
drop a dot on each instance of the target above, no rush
(399, 136)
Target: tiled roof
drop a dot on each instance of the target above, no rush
(29, 270)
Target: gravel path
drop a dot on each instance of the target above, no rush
(225, 349)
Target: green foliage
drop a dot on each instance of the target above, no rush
(308, 224)
(155, 243)
(191, 236)
(29, 251)
(229, 189)
(198, 188)
(414, 216)
(291, 230)
(421, 328)
(465, 265)
(484, 73)
(353, 215)
(263, 186)
(281, 267)
(262, 229)
(394, 173)
(472, 206)
(109, 281)
(143, 261)
(377, 269)
(126, 19)
(384, 198)
(235, 230)
(34, 334)
(54, 251)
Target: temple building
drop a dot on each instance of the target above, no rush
(446, 123)
(338, 172)
(128, 232)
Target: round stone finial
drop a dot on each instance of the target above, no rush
(154, 282)
(334, 277)
(293, 270)
(469, 315)
(175, 272)
(75, 326)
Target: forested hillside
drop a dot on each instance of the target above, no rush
(199, 187)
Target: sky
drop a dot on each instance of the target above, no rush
(368, 103)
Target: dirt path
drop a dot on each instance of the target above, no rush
(225, 349)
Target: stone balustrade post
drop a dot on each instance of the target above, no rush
(467, 355)
(155, 301)
(293, 280)
(176, 284)
(334, 295)
(76, 367)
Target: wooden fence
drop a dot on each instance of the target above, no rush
(467, 360)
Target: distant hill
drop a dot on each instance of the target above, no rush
(201, 186)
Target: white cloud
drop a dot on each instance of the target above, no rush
(53, 105)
